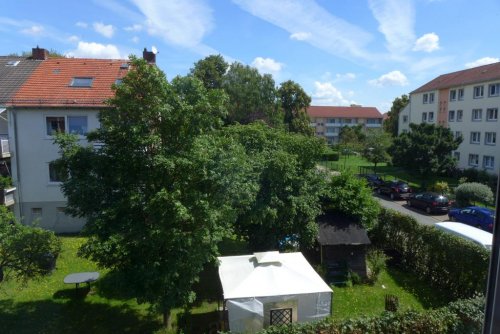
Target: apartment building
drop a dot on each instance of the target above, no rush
(466, 102)
(328, 120)
(57, 95)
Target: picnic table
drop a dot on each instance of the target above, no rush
(84, 277)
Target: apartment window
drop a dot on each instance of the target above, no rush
(431, 97)
(458, 134)
(319, 133)
(330, 120)
(477, 115)
(460, 115)
(490, 138)
(488, 162)
(81, 82)
(36, 214)
(424, 117)
(475, 137)
(55, 125)
(405, 119)
(451, 116)
(425, 98)
(478, 92)
(494, 89)
(431, 116)
(456, 155)
(473, 160)
(77, 125)
(453, 95)
(492, 114)
(460, 94)
(405, 130)
(56, 172)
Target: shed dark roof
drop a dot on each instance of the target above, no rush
(12, 77)
(336, 229)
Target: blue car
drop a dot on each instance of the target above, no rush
(476, 216)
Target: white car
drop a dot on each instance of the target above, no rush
(478, 236)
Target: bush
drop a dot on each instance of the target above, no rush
(441, 187)
(376, 262)
(445, 261)
(331, 156)
(467, 193)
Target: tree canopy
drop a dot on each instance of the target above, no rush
(391, 123)
(376, 146)
(294, 102)
(210, 71)
(425, 150)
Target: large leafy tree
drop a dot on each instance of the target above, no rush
(425, 149)
(289, 186)
(391, 123)
(294, 102)
(25, 252)
(252, 96)
(162, 189)
(210, 71)
(376, 146)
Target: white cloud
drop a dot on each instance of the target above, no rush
(396, 20)
(178, 22)
(107, 30)
(73, 38)
(95, 50)
(300, 36)
(34, 30)
(135, 39)
(345, 77)
(429, 63)
(81, 24)
(327, 32)
(135, 27)
(427, 43)
(394, 78)
(482, 61)
(267, 65)
(326, 94)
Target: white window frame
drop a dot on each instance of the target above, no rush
(477, 115)
(460, 94)
(430, 117)
(478, 92)
(492, 114)
(453, 95)
(50, 166)
(451, 116)
(405, 118)
(456, 155)
(425, 98)
(424, 117)
(475, 137)
(490, 138)
(494, 89)
(460, 115)
(66, 124)
(488, 162)
(474, 160)
(431, 98)
(457, 134)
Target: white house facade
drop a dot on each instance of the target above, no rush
(466, 102)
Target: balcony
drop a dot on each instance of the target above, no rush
(368, 125)
(4, 148)
(7, 196)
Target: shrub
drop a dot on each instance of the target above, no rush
(442, 187)
(468, 193)
(331, 156)
(376, 262)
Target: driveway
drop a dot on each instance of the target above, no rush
(401, 206)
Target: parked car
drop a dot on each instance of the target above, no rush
(482, 238)
(430, 202)
(373, 180)
(476, 216)
(395, 189)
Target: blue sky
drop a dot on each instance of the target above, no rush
(360, 51)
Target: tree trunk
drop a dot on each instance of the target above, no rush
(167, 319)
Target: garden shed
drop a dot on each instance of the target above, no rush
(271, 288)
(343, 243)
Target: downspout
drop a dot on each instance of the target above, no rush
(16, 157)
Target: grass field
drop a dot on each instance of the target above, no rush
(47, 305)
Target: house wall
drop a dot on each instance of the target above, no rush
(37, 197)
(329, 127)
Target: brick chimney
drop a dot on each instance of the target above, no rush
(39, 54)
(149, 56)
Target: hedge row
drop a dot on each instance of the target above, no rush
(463, 316)
(444, 261)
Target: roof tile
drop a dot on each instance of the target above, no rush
(343, 112)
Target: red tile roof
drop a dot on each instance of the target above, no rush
(343, 112)
(461, 78)
(49, 84)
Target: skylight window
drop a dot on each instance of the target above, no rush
(81, 82)
(12, 63)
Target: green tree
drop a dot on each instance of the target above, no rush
(425, 150)
(25, 252)
(351, 140)
(350, 195)
(294, 102)
(210, 71)
(376, 146)
(251, 96)
(289, 186)
(470, 192)
(162, 190)
(392, 121)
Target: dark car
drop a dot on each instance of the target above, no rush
(476, 216)
(430, 202)
(373, 180)
(394, 189)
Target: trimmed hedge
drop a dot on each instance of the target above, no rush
(464, 316)
(444, 261)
